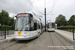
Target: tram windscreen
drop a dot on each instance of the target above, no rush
(50, 25)
(22, 24)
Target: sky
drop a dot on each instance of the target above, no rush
(53, 7)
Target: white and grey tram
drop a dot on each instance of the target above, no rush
(50, 26)
(28, 26)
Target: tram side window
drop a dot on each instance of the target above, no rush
(35, 26)
(38, 26)
(41, 26)
(32, 24)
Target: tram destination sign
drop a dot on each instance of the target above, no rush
(22, 15)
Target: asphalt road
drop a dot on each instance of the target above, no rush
(46, 41)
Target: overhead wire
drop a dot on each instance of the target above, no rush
(31, 4)
(54, 2)
(53, 5)
(36, 6)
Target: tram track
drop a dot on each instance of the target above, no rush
(61, 41)
(22, 46)
(9, 45)
(51, 40)
(15, 43)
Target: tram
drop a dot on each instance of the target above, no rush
(28, 26)
(50, 26)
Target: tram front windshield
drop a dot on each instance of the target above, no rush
(50, 25)
(22, 24)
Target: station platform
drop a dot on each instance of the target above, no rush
(66, 35)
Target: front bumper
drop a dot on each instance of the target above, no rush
(25, 38)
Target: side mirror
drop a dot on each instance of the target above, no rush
(15, 16)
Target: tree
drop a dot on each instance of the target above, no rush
(61, 20)
(4, 18)
(11, 21)
(0, 17)
(72, 20)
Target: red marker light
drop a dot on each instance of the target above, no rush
(19, 15)
(50, 23)
(37, 24)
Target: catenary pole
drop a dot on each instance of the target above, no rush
(45, 13)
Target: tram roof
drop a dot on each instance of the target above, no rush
(34, 15)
